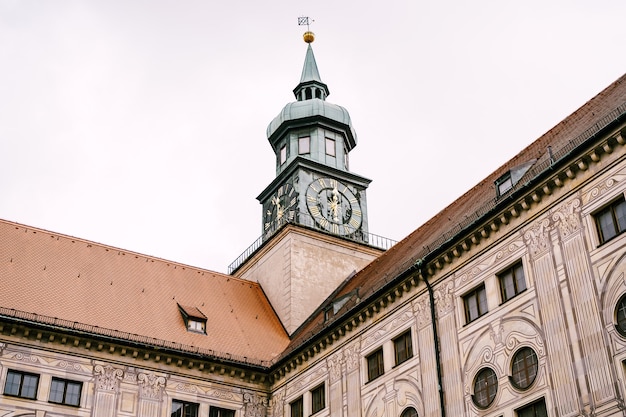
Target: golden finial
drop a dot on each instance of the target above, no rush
(308, 35)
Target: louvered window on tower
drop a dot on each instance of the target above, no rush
(194, 319)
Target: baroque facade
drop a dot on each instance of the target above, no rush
(510, 302)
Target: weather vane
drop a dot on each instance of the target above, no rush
(308, 35)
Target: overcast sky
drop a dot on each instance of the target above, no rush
(141, 124)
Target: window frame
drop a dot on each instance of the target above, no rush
(196, 407)
(478, 294)
(220, 412)
(318, 398)
(65, 383)
(375, 364)
(491, 390)
(333, 146)
(609, 208)
(20, 387)
(294, 411)
(525, 368)
(308, 145)
(527, 408)
(621, 306)
(502, 276)
(405, 339)
(504, 184)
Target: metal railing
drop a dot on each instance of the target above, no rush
(304, 219)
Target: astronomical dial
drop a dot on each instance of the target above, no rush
(280, 208)
(333, 206)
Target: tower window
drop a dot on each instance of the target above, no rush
(330, 147)
(318, 399)
(512, 281)
(283, 154)
(309, 94)
(485, 388)
(304, 145)
(403, 347)
(375, 365)
(21, 384)
(221, 412)
(65, 392)
(611, 220)
(297, 409)
(184, 409)
(475, 303)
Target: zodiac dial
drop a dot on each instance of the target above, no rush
(281, 208)
(333, 206)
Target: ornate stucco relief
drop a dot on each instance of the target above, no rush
(485, 263)
(151, 385)
(107, 377)
(255, 405)
(600, 188)
(47, 361)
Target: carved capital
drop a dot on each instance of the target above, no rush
(352, 356)
(277, 403)
(151, 385)
(255, 405)
(537, 238)
(107, 377)
(421, 307)
(444, 297)
(334, 364)
(567, 218)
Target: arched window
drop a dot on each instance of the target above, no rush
(318, 93)
(309, 94)
(620, 316)
(409, 412)
(524, 368)
(485, 387)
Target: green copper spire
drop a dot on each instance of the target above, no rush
(311, 85)
(309, 71)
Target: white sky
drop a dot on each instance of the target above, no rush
(141, 124)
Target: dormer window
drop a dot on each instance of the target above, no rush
(194, 319)
(504, 183)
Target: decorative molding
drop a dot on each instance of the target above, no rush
(277, 403)
(222, 395)
(2, 347)
(602, 187)
(107, 377)
(151, 385)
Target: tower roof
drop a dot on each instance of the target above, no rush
(310, 71)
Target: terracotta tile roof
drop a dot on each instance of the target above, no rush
(469, 207)
(76, 280)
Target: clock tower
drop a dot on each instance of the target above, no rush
(314, 229)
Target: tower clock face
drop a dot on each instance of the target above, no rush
(333, 206)
(281, 207)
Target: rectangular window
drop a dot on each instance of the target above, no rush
(296, 408)
(283, 155)
(21, 384)
(375, 365)
(184, 409)
(504, 184)
(403, 347)
(330, 147)
(512, 281)
(318, 399)
(65, 392)
(611, 220)
(221, 412)
(536, 409)
(475, 303)
(304, 145)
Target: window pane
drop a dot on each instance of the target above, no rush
(403, 348)
(29, 386)
(12, 386)
(72, 393)
(318, 401)
(330, 147)
(56, 391)
(485, 387)
(620, 215)
(283, 154)
(296, 408)
(409, 412)
(537, 409)
(605, 223)
(524, 368)
(304, 145)
(520, 279)
(482, 301)
(375, 365)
